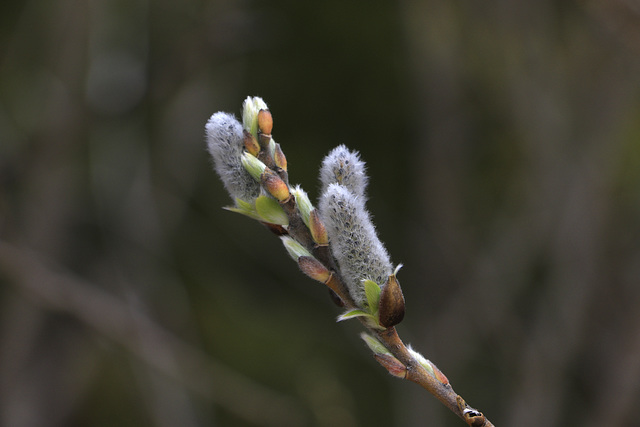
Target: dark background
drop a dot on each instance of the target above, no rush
(503, 143)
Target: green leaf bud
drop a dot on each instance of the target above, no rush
(254, 166)
(373, 344)
(303, 203)
(250, 110)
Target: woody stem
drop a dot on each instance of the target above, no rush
(419, 375)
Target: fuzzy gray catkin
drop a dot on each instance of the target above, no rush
(344, 167)
(225, 144)
(353, 240)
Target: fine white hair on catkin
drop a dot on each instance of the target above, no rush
(225, 144)
(353, 240)
(342, 166)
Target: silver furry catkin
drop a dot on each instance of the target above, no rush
(344, 167)
(353, 240)
(225, 144)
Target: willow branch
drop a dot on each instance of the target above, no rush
(336, 244)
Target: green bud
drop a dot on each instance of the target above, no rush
(373, 344)
(422, 361)
(250, 110)
(254, 166)
(295, 249)
(303, 203)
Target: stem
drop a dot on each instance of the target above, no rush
(419, 375)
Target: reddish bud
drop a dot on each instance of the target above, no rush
(314, 269)
(391, 306)
(392, 365)
(275, 185)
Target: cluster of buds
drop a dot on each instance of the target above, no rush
(336, 243)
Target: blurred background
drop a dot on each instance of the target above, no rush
(503, 143)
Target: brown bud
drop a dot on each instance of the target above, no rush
(317, 229)
(275, 185)
(391, 305)
(314, 268)
(391, 364)
(279, 158)
(250, 143)
(265, 122)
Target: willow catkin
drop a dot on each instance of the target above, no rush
(225, 144)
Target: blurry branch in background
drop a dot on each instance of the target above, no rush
(119, 322)
(336, 244)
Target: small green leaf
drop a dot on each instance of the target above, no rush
(270, 211)
(352, 314)
(370, 320)
(372, 291)
(244, 208)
